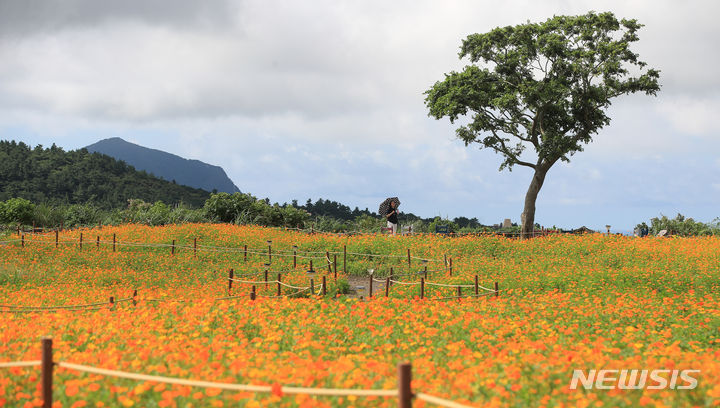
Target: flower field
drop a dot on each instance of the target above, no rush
(565, 303)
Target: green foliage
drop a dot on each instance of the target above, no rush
(57, 177)
(245, 209)
(437, 221)
(17, 210)
(682, 226)
(546, 84)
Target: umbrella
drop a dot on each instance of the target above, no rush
(385, 205)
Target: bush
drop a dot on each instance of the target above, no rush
(17, 210)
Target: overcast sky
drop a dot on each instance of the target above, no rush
(309, 99)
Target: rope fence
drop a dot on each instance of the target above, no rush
(403, 392)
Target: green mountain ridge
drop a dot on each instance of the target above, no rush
(188, 172)
(53, 175)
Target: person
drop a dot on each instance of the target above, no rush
(392, 219)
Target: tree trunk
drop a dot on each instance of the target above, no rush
(527, 218)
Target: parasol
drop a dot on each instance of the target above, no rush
(385, 205)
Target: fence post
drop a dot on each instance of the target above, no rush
(56, 239)
(172, 248)
(252, 293)
(134, 297)
(450, 266)
(294, 256)
(422, 288)
(114, 242)
(477, 287)
(230, 278)
(425, 270)
(81, 241)
(195, 247)
(279, 286)
(97, 243)
(345, 259)
(22, 241)
(112, 302)
(404, 389)
(311, 269)
(312, 286)
(245, 257)
(269, 251)
(497, 293)
(335, 265)
(459, 290)
(387, 287)
(370, 287)
(47, 371)
(408, 251)
(266, 277)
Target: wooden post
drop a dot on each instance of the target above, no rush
(22, 241)
(269, 251)
(230, 278)
(422, 288)
(370, 287)
(497, 292)
(47, 372)
(408, 251)
(445, 255)
(311, 269)
(252, 293)
(345, 259)
(459, 290)
(404, 391)
(324, 286)
(425, 270)
(245, 257)
(114, 242)
(387, 287)
(18, 230)
(195, 247)
(279, 286)
(172, 248)
(134, 297)
(477, 287)
(112, 302)
(312, 286)
(81, 241)
(56, 239)
(294, 256)
(450, 266)
(266, 278)
(335, 265)
(97, 243)
(327, 257)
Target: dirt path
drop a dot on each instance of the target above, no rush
(360, 287)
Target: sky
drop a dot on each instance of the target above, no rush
(312, 99)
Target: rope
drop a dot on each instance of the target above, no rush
(293, 287)
(449, 286)
(227, 386)
(13, 364)
(404, 283)
(252, 282)
(440, 401)
(55, 307)
(463, 296)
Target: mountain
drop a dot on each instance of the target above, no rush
(55, 176)
(170, 167)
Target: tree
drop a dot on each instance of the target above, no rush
(544, 86)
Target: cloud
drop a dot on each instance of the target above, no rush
(38, 17)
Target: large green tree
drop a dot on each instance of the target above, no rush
(536, 93)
